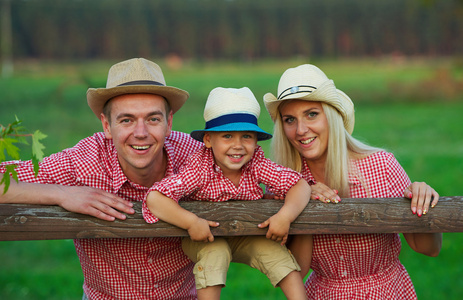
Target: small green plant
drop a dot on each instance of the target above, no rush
(10, 136)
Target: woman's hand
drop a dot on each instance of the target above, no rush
(324, 193)
(421, 195)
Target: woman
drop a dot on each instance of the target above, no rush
(312, 135)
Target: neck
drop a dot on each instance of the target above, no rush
(147, 177)
(317, 168)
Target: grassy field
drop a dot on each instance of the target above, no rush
(410, 107)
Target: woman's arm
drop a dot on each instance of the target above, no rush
(301, 247)
(428, 244)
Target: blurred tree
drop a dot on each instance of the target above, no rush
(6, 43)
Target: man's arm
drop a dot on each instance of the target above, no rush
(79, 199)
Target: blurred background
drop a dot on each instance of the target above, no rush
(401, 62)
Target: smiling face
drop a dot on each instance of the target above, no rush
(138, 126)
(306, 127)
(232, 149)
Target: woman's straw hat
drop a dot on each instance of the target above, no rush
(135, 76)
(229, 109)
(307, 82)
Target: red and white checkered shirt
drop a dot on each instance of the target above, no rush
(362, 266)
(202, 179)
(133, 268)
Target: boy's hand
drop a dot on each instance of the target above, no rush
(278, 228)
(200, 231)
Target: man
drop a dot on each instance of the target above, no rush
(104, 173)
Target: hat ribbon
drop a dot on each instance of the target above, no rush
(297, 89)
(141, 82)
(231, 118)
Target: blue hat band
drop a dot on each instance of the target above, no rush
(231, 118)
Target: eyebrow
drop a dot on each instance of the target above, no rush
(129, 115)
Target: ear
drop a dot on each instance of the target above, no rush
(106, 127)
(207, 140)
(170, 118)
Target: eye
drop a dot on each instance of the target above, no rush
(227, 136)
(124, 121)
(288, 120)
(247, 136)
(155, 119)
(312, 114)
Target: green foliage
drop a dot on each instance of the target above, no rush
(423, 133)
(11, 135)
(239, 29)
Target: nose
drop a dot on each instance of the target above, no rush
(140, 130)
(237, 143)
(302, 128)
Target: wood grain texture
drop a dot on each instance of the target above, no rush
(375, 215)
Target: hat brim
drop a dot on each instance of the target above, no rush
(261, 134)
(346, 110)
(97, 98)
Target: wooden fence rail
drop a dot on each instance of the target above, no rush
(388, 215)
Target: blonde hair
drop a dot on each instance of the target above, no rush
(342, 149)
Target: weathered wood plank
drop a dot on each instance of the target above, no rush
(376, 215)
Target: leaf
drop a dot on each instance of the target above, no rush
(10, 169)
(8, 145)
(37, 146)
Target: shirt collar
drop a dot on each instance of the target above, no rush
(352, 180)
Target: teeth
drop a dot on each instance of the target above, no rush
(140, 147)
(235, 156)
(305, 142)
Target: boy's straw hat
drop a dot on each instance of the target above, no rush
(307, 82)
(229, 109)
(135, 76)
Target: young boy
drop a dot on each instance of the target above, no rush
(231, 166)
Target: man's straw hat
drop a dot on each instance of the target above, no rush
(135, 76)
(229, 109)
(307, 82)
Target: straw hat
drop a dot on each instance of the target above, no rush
(229, 109)
(135, 76)
(307, 82)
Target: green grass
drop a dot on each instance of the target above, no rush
(423, 130)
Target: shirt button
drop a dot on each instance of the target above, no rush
(179, 181)
(150, 260)
(200, 268)
(341, 257)
(156, 286)
(278, 169)
(344, 273)
(338, 241)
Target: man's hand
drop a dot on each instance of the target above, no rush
(94, 202)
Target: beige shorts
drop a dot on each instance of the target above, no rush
(213, 259)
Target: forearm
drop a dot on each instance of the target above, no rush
(170, 211)
(32, 193)
(296, 200)
(301, 247)
(425, 243)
